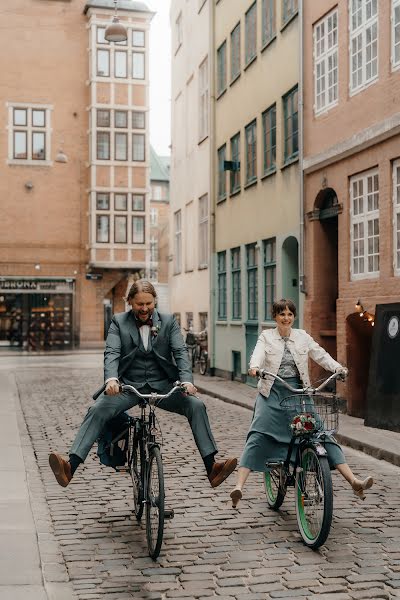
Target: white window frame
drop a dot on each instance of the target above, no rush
(394, 25)
(396, 217)
(326, 59)
(358, 30)
(203, 99)
(153, 217)
(203, 232)
(177, 242)
(29, 129)
(363, 217)
(153, 250)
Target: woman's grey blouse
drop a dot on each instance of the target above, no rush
(287, 367)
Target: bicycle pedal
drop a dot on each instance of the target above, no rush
(273, 465)
(122, 469)
(169, 513)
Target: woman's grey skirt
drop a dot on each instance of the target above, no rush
(269, 434)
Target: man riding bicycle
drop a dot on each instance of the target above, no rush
(145, 349)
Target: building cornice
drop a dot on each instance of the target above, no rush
(123, 5)
(357, 143)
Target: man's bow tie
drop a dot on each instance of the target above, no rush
(149, 322)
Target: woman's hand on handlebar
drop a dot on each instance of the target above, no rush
(253, 372)
(342, 372)
(113, 388)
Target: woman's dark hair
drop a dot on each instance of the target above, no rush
(141, 285)
(280, 305)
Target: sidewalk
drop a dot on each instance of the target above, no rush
(379, 443)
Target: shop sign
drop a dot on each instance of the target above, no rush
(37, 285)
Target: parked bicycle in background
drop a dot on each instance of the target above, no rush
(197, 345)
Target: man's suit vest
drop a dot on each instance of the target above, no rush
(145, 369)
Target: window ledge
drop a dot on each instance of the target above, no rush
(268, 43)
(286, 23)
(363, 87)
(30, 163)
(250, 184)
(235, 79)
(323, 111)
(221, 94)
(236, 322)
(201, 140)
(235, 192)
(250, 62)
(202, 267)
(220, 200)
(289, 162)
(221, 322)
(269, 173)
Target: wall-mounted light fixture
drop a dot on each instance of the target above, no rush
(115, 32)
(28, 185)
(364, 314)
(61, 157)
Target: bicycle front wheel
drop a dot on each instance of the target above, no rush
(136, 465)
(275, 487)
(203, 362)
(314, 497)
(155, 505)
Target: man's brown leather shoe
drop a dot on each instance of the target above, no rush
(61, 469)
(221, 470)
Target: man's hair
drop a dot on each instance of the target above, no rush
(280, 305)
(141, 285)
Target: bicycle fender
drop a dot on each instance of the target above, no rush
(321, 451)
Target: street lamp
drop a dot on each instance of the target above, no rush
(115, 32)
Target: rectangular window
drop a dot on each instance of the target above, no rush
(138, 202)
(203, 99)
(138, 39)
(178, 32)
(102, 229)
(103, 118)
(100, 35)
(121, 119)
(120, 64)
(289, 9)
(138, 120)
(30, 128)
(203, 320)
(235, 158)
(221, 69)
(364, 207)
(120, 229)
(268, 30)
(121, 146)
(103, 145)
(102, 201)
(269, 139)
(236, 284)
(138, 65)
(235, 52)
(291, 126)
(153, 217)
(395, 33)
(269, 256)
(138, 149)
(188, 241)
(363, 43)
(103, 63)
(252, 285)
(222, 291)
(221, 173)
(203, 231)
(250, 40)
(177, 242)
(396, 216)
(326, 62)
(153, 249)
(251, 152)
(120, 201)
(137, 230)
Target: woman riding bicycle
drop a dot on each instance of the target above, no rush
(285, 351)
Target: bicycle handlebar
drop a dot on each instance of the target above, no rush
(153, 397)
(263, 374)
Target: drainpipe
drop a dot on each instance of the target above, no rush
(211, 135)
(302, 277)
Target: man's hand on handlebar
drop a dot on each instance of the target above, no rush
(190, 389)
(113, 388)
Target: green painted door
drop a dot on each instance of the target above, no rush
(251, 340)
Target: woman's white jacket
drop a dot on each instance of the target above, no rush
(268, 355)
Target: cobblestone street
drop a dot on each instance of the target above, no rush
(209, 549)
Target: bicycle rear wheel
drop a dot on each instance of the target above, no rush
(136, 466)
(314, 497)
(275, 487)
(155, 505)
(203, 362)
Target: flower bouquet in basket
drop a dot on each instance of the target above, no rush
(303, 423)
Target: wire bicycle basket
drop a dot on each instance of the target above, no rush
(309, 414)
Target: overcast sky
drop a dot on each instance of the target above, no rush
(160, 77)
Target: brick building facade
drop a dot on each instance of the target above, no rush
(75, 172)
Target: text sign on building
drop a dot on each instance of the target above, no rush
(60, 286)
(94, 276)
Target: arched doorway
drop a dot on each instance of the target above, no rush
(290, 270)
(358, 352)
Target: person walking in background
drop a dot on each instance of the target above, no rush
(285, 351)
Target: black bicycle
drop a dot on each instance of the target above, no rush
(312, 416)
(145, 465)
(197, 345)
